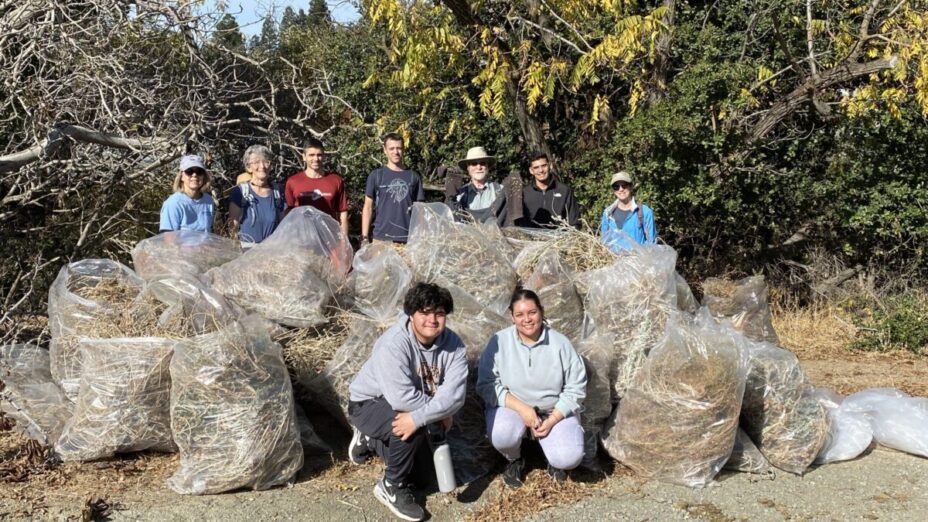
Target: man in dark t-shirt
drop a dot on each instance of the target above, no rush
(391, 190)
(316, 187)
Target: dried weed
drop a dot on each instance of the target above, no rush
(539, 493)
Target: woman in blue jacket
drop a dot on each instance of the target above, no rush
(532, 380)
(625, 219)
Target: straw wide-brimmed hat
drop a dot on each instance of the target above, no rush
(474, 154)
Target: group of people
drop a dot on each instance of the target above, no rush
(257, 204)
(530, 377)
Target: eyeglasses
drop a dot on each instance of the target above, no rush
(621, 185)
(264, 162)
(194, 172)
(480, 162)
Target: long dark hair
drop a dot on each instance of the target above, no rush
(525, 293)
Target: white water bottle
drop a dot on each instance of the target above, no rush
(441, 455)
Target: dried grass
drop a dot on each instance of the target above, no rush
(784, 420)
(539, 493)
(580, 249)
(678, 423)
(815, 332)
(307, 351)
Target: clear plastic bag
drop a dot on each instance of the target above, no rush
(124, 400)
(232, 412)
(744, 302)
(471, 451)
(379, 281)
(552, 281)
(192, 307)
(84, 294)
(898, 420)
(330, 388)
(182, 253)
(780, 411)
(29, 396)
(631, 299)
(293, 275)
(849, 432)
(598, 357)
(474, 323)
(460, 254)
(685, 299)
(678, 420)
(745, 456)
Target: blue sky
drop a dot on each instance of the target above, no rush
(250, 13)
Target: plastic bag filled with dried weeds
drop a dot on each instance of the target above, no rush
(780, 411)
(597, 354)
(29, 396)
(461, 254)
(330, 388)
(379, 281)
(182, 252)
(678, 419)
(744, 302)
(192, 308)
(552, 281)
(474, 323)
(123, 402)
(232, 412)
(84, 294)
(293, 275)
(745, 456)
(631, 299)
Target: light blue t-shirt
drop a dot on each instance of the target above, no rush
(181, 212)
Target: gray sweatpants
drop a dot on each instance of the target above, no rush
(563, 447)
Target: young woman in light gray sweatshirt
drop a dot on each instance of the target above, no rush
(531, 378)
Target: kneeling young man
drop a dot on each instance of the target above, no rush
(416, 375)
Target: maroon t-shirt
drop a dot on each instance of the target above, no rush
(326, 193)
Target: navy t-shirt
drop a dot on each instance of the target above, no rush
(258, 220)
(393, 193)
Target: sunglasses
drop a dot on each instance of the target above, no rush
(480, 162)
(621, 185)
(194, 172)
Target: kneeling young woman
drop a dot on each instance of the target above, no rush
(533, 381)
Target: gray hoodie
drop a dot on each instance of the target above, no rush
(395, 371)
(548, 375)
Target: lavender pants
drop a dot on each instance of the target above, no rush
(563, 447)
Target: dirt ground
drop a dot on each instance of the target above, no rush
(880, 485)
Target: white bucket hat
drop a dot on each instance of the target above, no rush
(475, 154)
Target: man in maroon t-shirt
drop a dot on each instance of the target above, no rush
(317, 188)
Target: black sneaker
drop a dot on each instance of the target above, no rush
(399, 499)
(358, 450)
(512, 475)
(558, 475)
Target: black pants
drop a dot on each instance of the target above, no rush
(374, 418)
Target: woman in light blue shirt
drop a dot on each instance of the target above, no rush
(532, 379)
(190, 207)
(625, 222)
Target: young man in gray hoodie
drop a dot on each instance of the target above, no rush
(416, 376)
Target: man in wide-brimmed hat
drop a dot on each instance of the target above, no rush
(481, 199)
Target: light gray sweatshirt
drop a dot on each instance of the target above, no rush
(396, 371)
(548, 375)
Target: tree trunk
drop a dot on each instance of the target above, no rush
(532, 132)
(658, 81)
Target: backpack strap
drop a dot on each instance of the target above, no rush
(278, 199)
(248, 198)
(640, 212)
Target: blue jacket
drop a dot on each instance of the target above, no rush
(616, 237)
